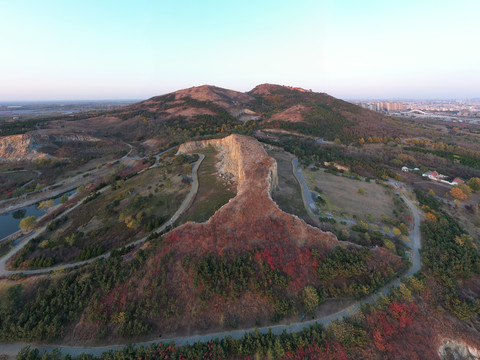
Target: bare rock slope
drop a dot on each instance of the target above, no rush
(20, 147)
(28, 147)
(200, 100)
(251, 217)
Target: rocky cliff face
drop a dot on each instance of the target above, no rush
(457, 350)
(251, 218)
(20, 147)
(239, 155)
(25, 147)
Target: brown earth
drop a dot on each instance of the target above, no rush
(293, 114)
(252, 217)
(233, 102)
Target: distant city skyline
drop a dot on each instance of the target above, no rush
(89, 50)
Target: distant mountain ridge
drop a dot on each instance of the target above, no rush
(283, 107)
(206, 111)
(200, 100)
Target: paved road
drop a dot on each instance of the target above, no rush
(184, 206)
(25, 240)
(295, 326)
(53, 190)
(306, 193)
(415, 236)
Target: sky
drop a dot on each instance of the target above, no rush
(119, 49)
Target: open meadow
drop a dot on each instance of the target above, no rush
(350, 198)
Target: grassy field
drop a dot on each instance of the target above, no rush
(212, 192)
(288, 194)
(9, 181)
(470, 222)
(342, 196)
(125, 212)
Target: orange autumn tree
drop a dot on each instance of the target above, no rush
(458, 193)
(431, 217)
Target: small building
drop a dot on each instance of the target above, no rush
(405, 169)
(457, 181)
(432, 175)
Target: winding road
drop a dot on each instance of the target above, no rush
(185, 205)
(415, 236)
(294, 326)
(57, 188)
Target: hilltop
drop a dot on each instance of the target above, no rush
(319, 114)
(339, 225)
(200, 100)
(207, 111)
(275, 106)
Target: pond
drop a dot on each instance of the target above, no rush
(10, 222)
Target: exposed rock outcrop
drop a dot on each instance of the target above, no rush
(250, 218)
(457, 350)
(27, 147)
(20, 147)
(63, 138)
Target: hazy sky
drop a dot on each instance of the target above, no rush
(84, 49)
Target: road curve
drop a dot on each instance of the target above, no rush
(68, 183)
(296, 326)
(185, 204)
(306, 193)
(415, 236)
(29, 202)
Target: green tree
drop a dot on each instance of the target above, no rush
(403, 228)
(187, 169)
(361, 191)
(310, 299)
(28, 223)
(278, 351)
(63, 199)
(474, 184)
(465, 188)
(390, 245)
